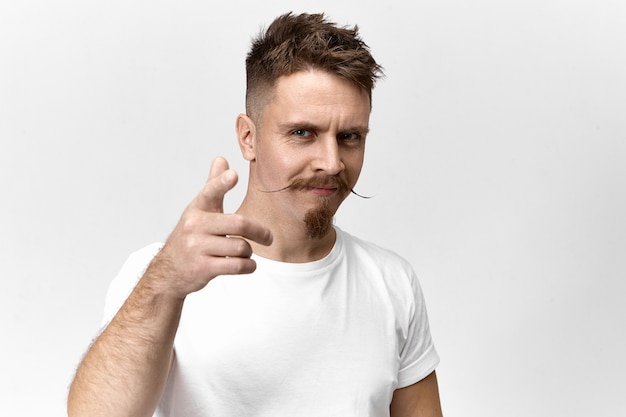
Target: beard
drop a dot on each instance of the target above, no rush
(318, 221)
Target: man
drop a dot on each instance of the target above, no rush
(316, 322)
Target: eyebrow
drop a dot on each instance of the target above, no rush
(309, 126)
(360, 129)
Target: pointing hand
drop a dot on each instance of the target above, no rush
(206, 242)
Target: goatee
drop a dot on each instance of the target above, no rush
(319, 220)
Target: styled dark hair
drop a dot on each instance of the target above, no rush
(295, 43)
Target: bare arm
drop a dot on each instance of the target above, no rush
(125, 370)
(418, 400)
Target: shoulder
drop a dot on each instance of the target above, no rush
(373, 260)
(394, 278)
(365, 251)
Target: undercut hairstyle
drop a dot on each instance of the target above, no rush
(302, 42)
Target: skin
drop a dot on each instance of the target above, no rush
(418, 400)
(124, 371)
(314, 128)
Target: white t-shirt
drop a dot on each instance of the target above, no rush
(334, 337)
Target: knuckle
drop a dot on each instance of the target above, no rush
(189, 245)
(188, 224)
(241, 247)
(238, 222)
(241, 266)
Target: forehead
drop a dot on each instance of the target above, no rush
(318, 96)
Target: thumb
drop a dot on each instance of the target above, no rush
(221, 180)
(219, 165)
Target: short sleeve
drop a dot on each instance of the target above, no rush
(126, 279)
(418, 356)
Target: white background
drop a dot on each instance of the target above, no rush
(496, 157)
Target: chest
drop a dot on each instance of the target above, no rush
(270, 342)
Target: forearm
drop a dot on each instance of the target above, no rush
(124, 371)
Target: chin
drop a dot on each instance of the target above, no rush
(319, 221)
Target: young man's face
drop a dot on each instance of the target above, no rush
(310, 145)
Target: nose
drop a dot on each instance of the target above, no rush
(328, 158)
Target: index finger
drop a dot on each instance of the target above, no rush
(242, 227)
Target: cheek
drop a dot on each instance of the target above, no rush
(278, 167)
(354, 164)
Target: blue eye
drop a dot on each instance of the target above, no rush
(301, 132)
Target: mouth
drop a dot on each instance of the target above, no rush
(323, 191)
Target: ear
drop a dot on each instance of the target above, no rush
(246, 136)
